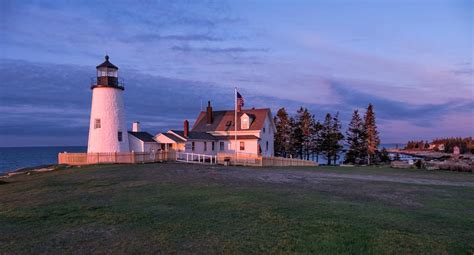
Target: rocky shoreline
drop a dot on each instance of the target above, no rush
(33, 169)
(432, 160)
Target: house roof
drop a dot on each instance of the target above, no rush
(239, 137)
(201, 136)
(224, 120)
(178, 132)
(174, 137)
(142, 136)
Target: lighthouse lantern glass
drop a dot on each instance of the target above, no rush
(109, 72)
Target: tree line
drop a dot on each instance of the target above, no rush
(302, 136)
(465, 144)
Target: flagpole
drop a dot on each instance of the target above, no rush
(235, 123)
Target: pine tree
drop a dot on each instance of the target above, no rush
(302, 133)
(315, 138)
(372, 136)
(297, 134)
(325, 138)
(337, 137)
(384, 157)
(307, 124)
(356, 140)
(293, 141)
(330, 138)
(283, 133)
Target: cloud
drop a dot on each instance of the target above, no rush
(39, 99)
(218, 50)
(184, 37)
(43, 99)
(390, 109)
(464, 68)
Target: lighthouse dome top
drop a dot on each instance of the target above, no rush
(107, 64)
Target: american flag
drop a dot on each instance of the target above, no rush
(240, 100)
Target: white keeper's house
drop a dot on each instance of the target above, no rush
(214, 132)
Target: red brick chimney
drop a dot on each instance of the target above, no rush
(186, 128)
(209, 113)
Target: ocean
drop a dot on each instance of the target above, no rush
(12, 158)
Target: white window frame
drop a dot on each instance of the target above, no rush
(245, 122)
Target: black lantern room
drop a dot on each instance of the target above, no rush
(107, 75)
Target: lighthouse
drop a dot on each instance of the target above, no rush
(107, 129)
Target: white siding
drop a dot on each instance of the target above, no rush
(267, 136)
(151, 147)
(199, 147)
(251, 147)
(136, 144)
(108, 106)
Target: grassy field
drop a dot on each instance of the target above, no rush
(207, 209)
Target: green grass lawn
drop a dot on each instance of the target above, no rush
(201, 209)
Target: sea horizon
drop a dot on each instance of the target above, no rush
(15, 158)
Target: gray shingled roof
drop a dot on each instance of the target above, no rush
(239, 137)
(201, 136)
(142, 136)
(174, 137)
(178, 132)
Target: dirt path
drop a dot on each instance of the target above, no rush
(292, 176)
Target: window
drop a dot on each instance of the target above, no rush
(242, 146)
(221, 146)
(213, 146)
(119, 136)
(96, 123)
(245, 122)
(266, 146)
(263, 129)
(205, 146)
(112, 73)
(193, 146)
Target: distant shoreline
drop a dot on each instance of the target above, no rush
(430, 154)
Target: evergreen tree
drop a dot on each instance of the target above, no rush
(384, 157)
(372, 136)
(356, 140)
(283, 126)
(297, 134)
(330, 138)
(337, 137)
(325, 138)
(293, 141)
(307, 128)
(315, 135)
(302, 133)
(427, 145)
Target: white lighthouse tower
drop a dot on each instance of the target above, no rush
(107, 130)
